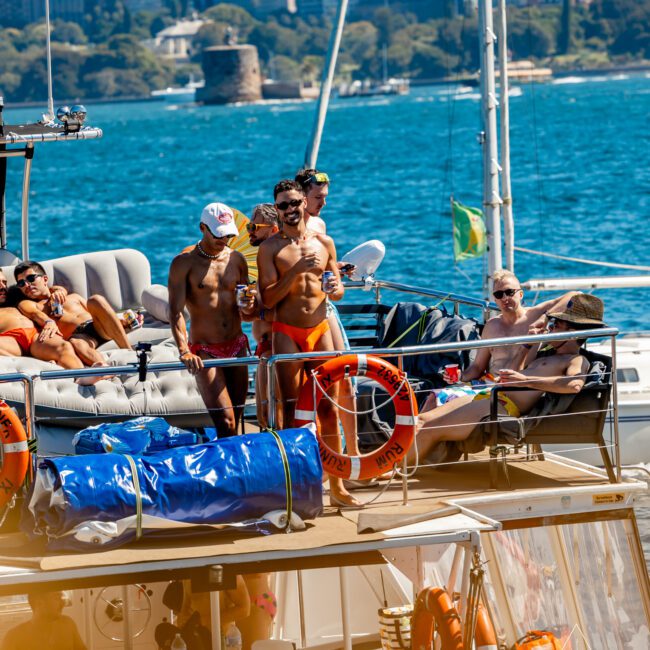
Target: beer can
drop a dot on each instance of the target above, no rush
(327, 278)
(57, 309)
(240, 295)
(130, 320)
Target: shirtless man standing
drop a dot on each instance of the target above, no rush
(203, 278)
(18, 336)
(562, 372)
(264, 223)
(85, 324)
(316, 185)
(291, 265)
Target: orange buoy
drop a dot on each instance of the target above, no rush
(15, 453)
(394, 381)
(434, 605)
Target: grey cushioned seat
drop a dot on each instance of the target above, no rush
(121, 276)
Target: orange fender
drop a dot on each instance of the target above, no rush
(15, 453)
(539, 640)
(435, 605)
(485, 637)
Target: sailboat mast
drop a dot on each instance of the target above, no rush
(489, 141)
(311, 155)
(508, 221)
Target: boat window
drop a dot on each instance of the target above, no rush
(602, 560)
(628, 375)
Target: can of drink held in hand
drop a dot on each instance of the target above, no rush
(130, 320)
(57, 309)
(327, 278)
(240, 295)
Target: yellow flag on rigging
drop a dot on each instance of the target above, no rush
(470, 239)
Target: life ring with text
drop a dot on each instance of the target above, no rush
(394, 381)
(15, 453)
(435, 608)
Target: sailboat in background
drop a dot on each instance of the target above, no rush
(367, 88)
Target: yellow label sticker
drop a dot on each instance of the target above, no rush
(616, 497)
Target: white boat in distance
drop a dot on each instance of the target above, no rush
(369, 88)
(178, 95)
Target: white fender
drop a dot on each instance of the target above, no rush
(366, 257)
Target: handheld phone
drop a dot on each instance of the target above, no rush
(346, 268)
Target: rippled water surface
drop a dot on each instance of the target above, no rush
(580, 175)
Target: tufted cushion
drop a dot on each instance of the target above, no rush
(119, 275)
(63, 402)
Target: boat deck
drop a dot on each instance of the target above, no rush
(454, 503)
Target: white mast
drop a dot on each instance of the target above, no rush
(50, 94)
(508, 221)
(311, 155)
(491, 167)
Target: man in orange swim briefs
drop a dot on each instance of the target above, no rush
(203, 278)
(19, 336)
(291, 266)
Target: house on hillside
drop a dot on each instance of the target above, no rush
(175, 41)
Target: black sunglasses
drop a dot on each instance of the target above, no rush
(504, 292)
(28, 279)
(254, 227)
(294, 203)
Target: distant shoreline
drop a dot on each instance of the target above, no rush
(573, 72)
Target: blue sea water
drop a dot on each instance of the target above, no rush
(580, 177)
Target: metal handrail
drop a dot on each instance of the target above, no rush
(430, 293)
(132, 368)
(605, 332)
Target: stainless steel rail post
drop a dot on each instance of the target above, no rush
(617, 449)
(405, 483)
(29, 155)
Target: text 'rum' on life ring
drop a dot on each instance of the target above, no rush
(394, 381)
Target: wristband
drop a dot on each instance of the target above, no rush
(528, 346)
(49, 320)
(183, 354)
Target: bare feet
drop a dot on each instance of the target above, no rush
(339, 496)
(91, 381)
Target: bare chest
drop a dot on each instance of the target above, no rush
(208, 276)
(291, 252)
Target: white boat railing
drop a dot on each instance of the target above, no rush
(28, 381)
(407, 351)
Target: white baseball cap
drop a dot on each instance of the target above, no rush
(219, 218)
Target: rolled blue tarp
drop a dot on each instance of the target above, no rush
(236, 479)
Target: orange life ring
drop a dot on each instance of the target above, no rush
(379, 461)
(434, 604)
(15, 460)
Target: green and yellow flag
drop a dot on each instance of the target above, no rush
(470, 239)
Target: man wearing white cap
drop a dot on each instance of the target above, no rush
(203, 278)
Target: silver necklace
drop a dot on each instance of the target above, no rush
(210, 257)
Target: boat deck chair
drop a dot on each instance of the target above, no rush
(557, 418)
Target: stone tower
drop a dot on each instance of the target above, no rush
(232, 74)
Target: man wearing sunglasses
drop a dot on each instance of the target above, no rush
(19, 336)
(264, 224)
(204, 278)
(514, 320)
(316, 186)
(86, 324)
(291, 267)
(564, 370)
